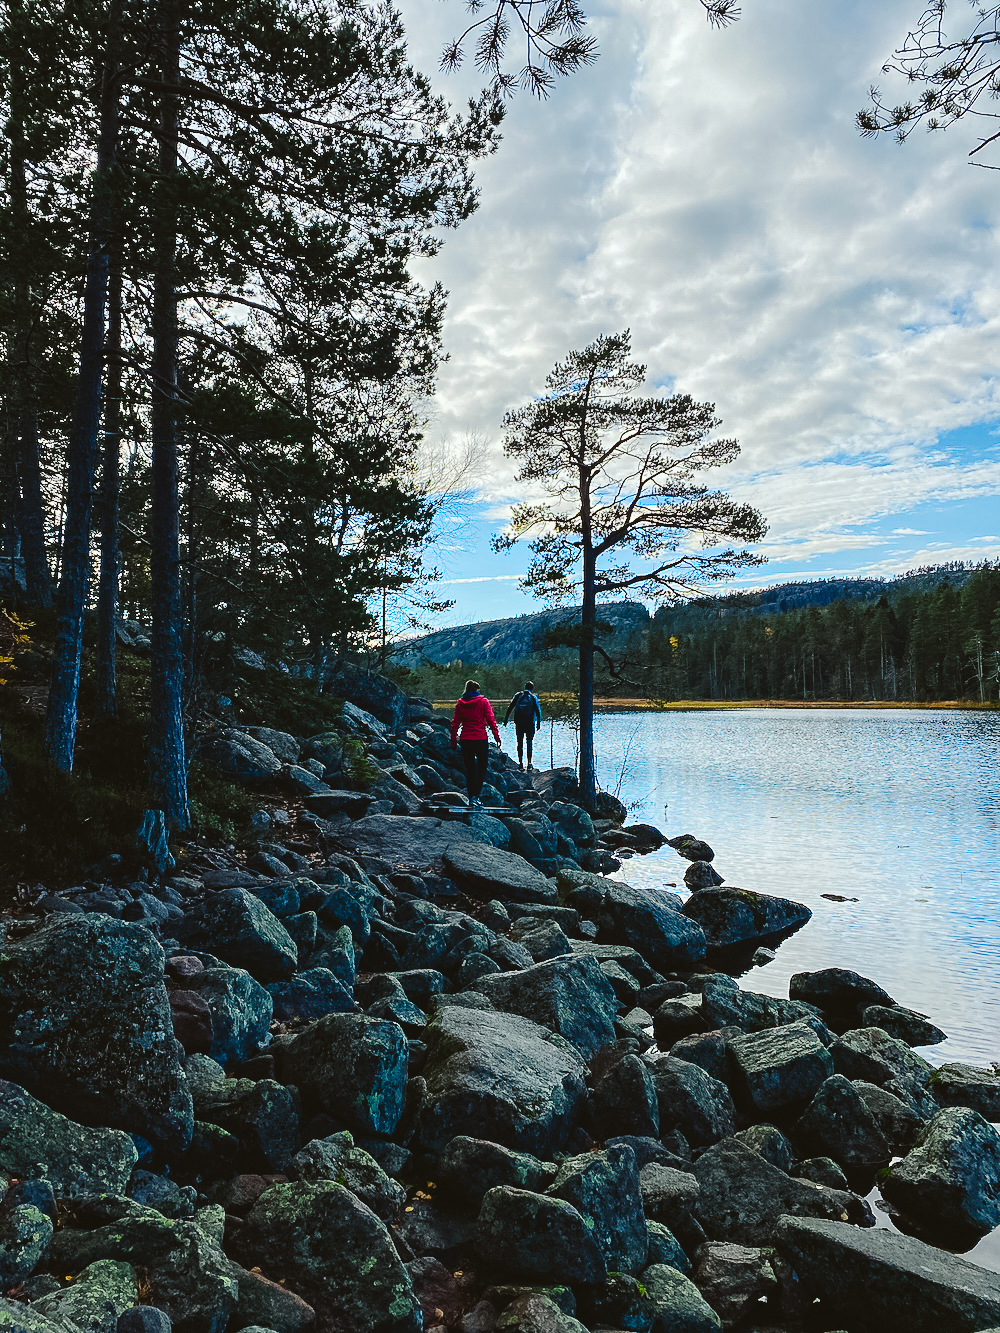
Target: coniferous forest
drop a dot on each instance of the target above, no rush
(214, 357)
(929, 636)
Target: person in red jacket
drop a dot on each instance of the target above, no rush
(473, 713)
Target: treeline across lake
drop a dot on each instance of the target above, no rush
(934, 640)
(936, 644)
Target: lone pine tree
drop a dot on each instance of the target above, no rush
(624, 513)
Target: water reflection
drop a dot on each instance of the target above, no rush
(897, 808)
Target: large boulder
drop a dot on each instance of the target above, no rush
(678, 1305)
(235, 925)
(643, 919)
(487, 872)
(967, 1085)
(537, 1238)
(742, 1196)
(604, 1189)
(241, 1012)
(85, 1026)
(468, 1167)
(570, 995)
(338, 801)
(780, 1069)
(837, 1123)
(573, 822)
(880, 1280)
(38, 1143)
(356, 1068)
(419, 843)
(726, 1006)
(904, 1024)
(900, 1124)
(731, 917)
(624, 1101)
(556, 784)
(733, 1278)
(374, 693)
(280, 743)
(336, 1158)
(311, 994)
(872, 1055)
(97, 1298)
(837, 989)
(949, 1182)
(237, 756)
(498, 1076)
(335, 1253)
(25, 1233)
(186, 1273)
(261, 1114)
(668, 1194)
(692, 1101)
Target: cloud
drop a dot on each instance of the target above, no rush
(486, 578)
(838, 299)
(910, 532)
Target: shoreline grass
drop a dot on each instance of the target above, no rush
(725, 705)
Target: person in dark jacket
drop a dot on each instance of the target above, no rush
(527, 709)
(473, 713)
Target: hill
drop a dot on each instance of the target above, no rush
(514, 640)
(499, 641)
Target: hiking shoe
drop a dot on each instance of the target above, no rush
(520, 766)
(532, 768)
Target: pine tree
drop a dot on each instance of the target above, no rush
(620, 473)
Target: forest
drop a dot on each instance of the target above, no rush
(215, 361)
(937, 638)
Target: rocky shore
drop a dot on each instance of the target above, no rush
(412, 1066)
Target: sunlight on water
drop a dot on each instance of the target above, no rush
(899, 809)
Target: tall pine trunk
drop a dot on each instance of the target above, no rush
(588, 618)
(30, 515)
(167, 769)
(107, 596)
(60, 722)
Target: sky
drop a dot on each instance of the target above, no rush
(837, 298)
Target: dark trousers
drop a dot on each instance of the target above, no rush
(476, 756)
(525, 735)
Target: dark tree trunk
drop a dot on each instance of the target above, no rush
(30, 512)
(167, 769)
(107, 596)
(588, 618)
(60, 723)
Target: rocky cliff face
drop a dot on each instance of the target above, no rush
(513, 640)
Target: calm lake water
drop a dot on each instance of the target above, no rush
(899, 809)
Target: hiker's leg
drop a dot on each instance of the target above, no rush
(529, 737)
(481, 758)
(468, 749)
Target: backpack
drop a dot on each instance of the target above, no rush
(524, 709)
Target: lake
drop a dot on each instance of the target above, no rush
(898, 808)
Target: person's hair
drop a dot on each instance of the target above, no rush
(529, 684)
(471, 685)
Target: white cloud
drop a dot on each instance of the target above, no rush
(838, 299)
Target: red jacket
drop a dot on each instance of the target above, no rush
(474, 716)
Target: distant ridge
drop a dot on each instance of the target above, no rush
(517, 638)
(512, 640)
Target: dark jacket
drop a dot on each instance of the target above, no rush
(536, 715)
